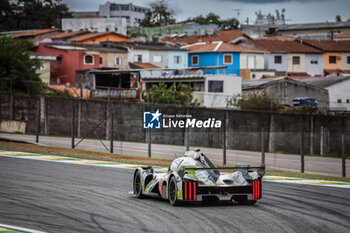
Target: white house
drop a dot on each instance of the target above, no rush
(338, 89)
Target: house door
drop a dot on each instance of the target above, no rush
(251, 62)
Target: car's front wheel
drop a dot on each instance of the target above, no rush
(172, 192)
(137, 185)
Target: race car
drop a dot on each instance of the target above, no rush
(194, 178)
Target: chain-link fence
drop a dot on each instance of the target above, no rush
(250, 137)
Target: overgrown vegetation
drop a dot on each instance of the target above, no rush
(211, 18)
(303, 109)
(17, 69)
(158, 15)
(255, 101)
(180, 94)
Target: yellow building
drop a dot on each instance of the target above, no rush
(44, 70)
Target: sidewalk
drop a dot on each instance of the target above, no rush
(313, 164)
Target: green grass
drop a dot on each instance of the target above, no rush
(306, 175)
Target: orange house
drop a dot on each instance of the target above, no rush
(333, 52)
(98, 37)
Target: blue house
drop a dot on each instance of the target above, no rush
(216, 54)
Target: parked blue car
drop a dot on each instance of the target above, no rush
(305, 101)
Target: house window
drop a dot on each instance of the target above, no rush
(348, 59)
(347, 101)
(157, 58)
(215, 86)
(296, 60)
(101, 60)
(59, 60)
(117, 61)
(177, 59)
(88, 60)
(138, 58)
(314, 60)
(227, 59)
(332, 59)
(338, 100)
(278, 59)
(195, 60)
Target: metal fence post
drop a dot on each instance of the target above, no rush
(111, 136)
(321, 141)
(262, 146)
(343, 161)
(302, 151)
(224, 138)
(149, 142)
(38, 122)
(73, 126)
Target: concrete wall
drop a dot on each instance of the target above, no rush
(339, 91)
(243, 129)
(183, 62)
(344, 58)
(95, 24)
(296, 67)
(312, 68)
(198, 29)
(108, 60)
(232, 85)
(285, 91)
(163, 55)
(45, 71)
(258, 57)
(145, 55)
(270, 62)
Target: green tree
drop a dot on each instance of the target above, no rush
(180, 94)
(37, 14)
(211, 18)
(255, 101)
(229, 24)
(17, 69)
(158, 15)
(338, 18)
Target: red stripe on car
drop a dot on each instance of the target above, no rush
(194, 191)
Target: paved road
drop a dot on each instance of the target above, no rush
(320, 165)
(57, 197)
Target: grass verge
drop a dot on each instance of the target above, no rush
(93, 155)
(83, 154)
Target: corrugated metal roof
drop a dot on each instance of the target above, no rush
(143, 46)
(173, 77)
(324, 82)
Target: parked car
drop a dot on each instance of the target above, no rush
(305, 101)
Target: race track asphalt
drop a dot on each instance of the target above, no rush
(58, 197)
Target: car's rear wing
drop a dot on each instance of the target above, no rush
(243, 168)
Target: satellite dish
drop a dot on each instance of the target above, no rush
(199, 72)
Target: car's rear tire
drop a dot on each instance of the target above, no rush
(137, 185)
(243, 200)
(172, 192)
